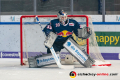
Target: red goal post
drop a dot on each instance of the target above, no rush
(44, 16)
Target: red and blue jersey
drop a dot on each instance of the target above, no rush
(63, 31)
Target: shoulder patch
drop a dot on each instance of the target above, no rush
(71, 24)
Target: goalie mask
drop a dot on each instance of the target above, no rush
(62, 16)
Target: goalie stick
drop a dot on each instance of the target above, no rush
(55, 56)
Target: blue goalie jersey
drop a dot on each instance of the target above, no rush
(63, 31)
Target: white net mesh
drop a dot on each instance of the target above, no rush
(93, 46)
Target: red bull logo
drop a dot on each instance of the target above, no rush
(64, 33)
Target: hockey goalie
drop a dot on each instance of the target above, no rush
(59, 36)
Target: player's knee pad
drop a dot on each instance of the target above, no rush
(42, 60)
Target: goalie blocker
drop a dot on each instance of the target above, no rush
(82, 57)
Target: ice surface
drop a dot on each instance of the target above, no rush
(10, 69)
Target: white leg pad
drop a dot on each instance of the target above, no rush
(82, 57)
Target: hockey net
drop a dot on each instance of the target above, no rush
(32, 38)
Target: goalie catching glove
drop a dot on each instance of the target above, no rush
(84, 32)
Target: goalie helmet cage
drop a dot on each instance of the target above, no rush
(84, 18)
